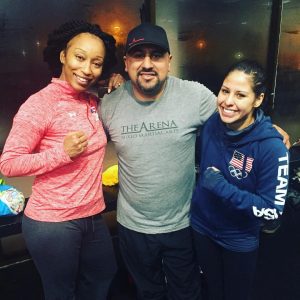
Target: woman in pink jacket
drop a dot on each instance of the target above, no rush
(57, 136)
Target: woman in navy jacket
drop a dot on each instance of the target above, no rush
(242, 184)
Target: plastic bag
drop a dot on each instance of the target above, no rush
(12, 201)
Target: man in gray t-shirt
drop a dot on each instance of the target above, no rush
(152, 120)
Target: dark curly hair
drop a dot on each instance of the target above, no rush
(59, 38)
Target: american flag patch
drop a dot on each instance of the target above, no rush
(249, 162)
(237, 160)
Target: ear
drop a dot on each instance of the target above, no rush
(259, 100)
(125, 63)
(170, 58)
(62, 56)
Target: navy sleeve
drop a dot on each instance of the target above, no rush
(269, 198)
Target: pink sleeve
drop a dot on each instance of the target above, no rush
(19, 157)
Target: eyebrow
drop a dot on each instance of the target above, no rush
(239, 91)
(98, 56)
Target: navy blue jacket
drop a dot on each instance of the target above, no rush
(230, 206)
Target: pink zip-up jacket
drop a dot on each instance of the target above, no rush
(64, 188)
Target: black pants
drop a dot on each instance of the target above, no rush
(162, 266)
(75, 259)
(228, 275)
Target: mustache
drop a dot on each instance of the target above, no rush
(147, 71)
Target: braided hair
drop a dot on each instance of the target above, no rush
(59, 38)
(255, 70)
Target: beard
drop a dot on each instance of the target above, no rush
(151, 90)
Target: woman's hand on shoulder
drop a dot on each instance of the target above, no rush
(114, 81)
(286, 137)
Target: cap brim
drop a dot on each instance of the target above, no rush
(146, 43)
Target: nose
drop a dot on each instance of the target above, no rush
(147, 62)
(229, 99)
(86, 68)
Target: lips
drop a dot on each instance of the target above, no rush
(227, 113)
(227, 110)
(147, 75)
(82, 80)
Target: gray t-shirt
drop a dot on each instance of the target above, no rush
(155, 144)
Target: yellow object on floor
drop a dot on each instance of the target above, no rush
(110, 176)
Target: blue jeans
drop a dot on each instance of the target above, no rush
(163, 265)
(75, 259)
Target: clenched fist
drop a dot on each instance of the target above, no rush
(75, 143)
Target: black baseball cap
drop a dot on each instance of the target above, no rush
(147, 33)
